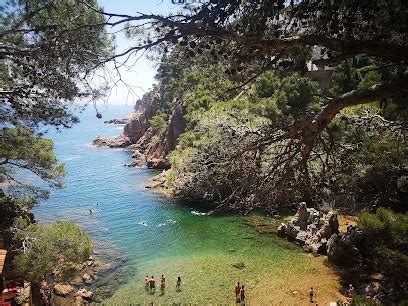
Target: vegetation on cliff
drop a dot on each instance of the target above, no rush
(46, 250)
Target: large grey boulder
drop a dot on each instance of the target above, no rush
(310, 229)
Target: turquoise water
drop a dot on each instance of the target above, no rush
(147, 234)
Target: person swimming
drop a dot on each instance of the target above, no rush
(90, 211)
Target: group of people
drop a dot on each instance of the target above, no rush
(240, 293)
(150, 283)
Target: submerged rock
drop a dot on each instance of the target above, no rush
(85, 294)
(88, 278)
(239, 265)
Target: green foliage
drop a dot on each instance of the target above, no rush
(57, 32)
(159, 121)
(51, 49)
(266, 85)
(24, 152)
(297, 95)
(344, 79)
(288, 96)
(369, 79)
(387, 240)
(60, 245)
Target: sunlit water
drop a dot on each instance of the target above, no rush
(149, 235)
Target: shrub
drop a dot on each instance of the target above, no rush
(387, 240)
(45, 248)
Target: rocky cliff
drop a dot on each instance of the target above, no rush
(150, 146)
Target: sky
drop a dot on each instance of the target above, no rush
(141, 75)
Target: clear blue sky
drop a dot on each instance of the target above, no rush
(141, 76)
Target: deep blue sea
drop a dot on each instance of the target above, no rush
(146, 234)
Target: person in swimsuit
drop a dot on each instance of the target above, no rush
(311, 295)
(147, 282)
(178, 283)
(152, 284)
(162, 283)
(242, 294)
(237, 290)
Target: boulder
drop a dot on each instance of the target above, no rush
(63, 290)
(282, 230)
(120, 141)
(292, 230)
(302, 216)
(311, 229)
(85, 294)
(88, 278)
(117, 121)
(158, 163)
(302, 237)
(344, 248)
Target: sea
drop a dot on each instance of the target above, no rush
(142, 233)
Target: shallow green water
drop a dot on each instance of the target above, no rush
(150, 235)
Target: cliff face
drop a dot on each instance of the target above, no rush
(153, 145)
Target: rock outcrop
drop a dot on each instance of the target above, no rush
(117, 121)
(345, 248)
(319, 233)
(63, 290)
(310, 229)
(84, 294)
(117, 142)
(136, 127)
(141, 136)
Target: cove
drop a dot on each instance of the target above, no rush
(151, 235)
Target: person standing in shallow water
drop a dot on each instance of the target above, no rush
(147, 282)
(152, 284)
(312, 295)
(237, 291)
(242, 295)
(178, 283)
(162, 283)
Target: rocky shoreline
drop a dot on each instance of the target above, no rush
(75, 291)
(150, 147)
(319, 233)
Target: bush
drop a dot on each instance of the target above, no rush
(45, 248)
(387, 240)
